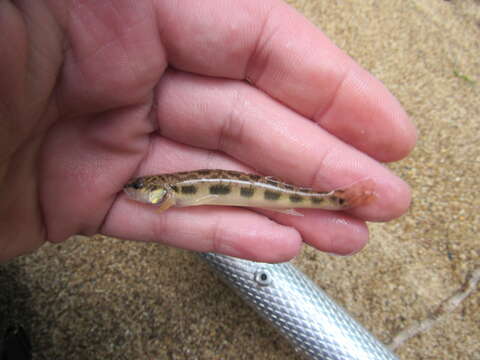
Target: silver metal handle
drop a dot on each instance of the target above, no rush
(299, 310)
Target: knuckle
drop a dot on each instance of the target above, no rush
(233, 126)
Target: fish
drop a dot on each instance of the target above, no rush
(235, 188)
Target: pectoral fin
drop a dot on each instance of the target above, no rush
(166, 204)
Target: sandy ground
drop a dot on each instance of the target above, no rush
(414, 286)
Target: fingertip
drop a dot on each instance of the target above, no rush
(366, 115)
(328, 231)
(401, 141)
(393, 199)
(410, 138)
(339, 234)
(348, 240)
(291, 243)
(394, 134)
(400, 199)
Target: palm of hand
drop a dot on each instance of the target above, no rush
(91, 103)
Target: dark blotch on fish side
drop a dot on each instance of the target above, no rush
(341, 201)
(174, 188)
(204, 172)
(288, 187)
(247, 192)
(254, 177)
(296, 198)
(189, 189)
(219, 189)
(271, 195)
(272, 182)
(316, 200)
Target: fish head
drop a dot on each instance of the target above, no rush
(143, 191)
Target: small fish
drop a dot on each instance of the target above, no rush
(234, 188)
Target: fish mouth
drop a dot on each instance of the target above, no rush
(135, 194)
(131, 192)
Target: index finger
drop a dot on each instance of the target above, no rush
(283, 54)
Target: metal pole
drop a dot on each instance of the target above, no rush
(300, 310)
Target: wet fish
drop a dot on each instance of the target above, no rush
(235, 188)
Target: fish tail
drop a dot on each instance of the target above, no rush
(357, 194)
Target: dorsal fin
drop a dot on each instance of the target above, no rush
(274, 179)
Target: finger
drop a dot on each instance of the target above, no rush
(241, 121)
(229, 231)
(327, 231)
(279, 51)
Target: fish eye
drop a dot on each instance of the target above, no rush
(137, 184)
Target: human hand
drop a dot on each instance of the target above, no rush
(89, 99)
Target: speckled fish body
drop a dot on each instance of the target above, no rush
(234, 188)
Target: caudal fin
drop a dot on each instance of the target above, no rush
(359, 193)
